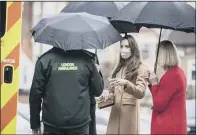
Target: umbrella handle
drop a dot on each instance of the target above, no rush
(95, 58)
(155, 68)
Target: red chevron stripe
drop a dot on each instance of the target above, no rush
(14, 14)
(8, 112)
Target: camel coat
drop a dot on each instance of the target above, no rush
(124, 117)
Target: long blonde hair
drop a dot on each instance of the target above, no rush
(168, 55)
(133, 62)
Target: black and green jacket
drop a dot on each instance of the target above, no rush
(62, 84)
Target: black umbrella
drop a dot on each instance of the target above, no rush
(106, 9)
(168, 15)
(73, 31)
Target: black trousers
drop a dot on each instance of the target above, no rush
(48, 130)
(92, 126)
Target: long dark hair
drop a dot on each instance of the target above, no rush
(133, 62)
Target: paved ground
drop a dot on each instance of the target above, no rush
(23, 116)
(24, 128)
(145, 116)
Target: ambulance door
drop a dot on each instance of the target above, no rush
(10, 38)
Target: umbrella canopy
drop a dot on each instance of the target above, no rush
(169, 15)
(73, 31)
(106, 9)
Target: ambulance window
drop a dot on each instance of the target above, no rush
(2, 18)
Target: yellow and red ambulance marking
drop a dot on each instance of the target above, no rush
(10, 50)
(15, 10)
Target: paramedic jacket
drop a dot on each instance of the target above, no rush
(62, 82)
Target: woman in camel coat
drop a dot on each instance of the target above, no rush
(128, 86)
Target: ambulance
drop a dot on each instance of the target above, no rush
(10, 40)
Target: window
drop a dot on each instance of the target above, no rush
(193, 75)
(2, 18)
(191, 72)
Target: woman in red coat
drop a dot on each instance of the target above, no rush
(168, 88)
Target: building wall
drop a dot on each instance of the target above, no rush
(26, 54)
(188, 63)
(26, 45)
(42, 10)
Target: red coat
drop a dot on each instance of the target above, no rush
(169, 103)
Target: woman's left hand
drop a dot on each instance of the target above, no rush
(118, 82)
